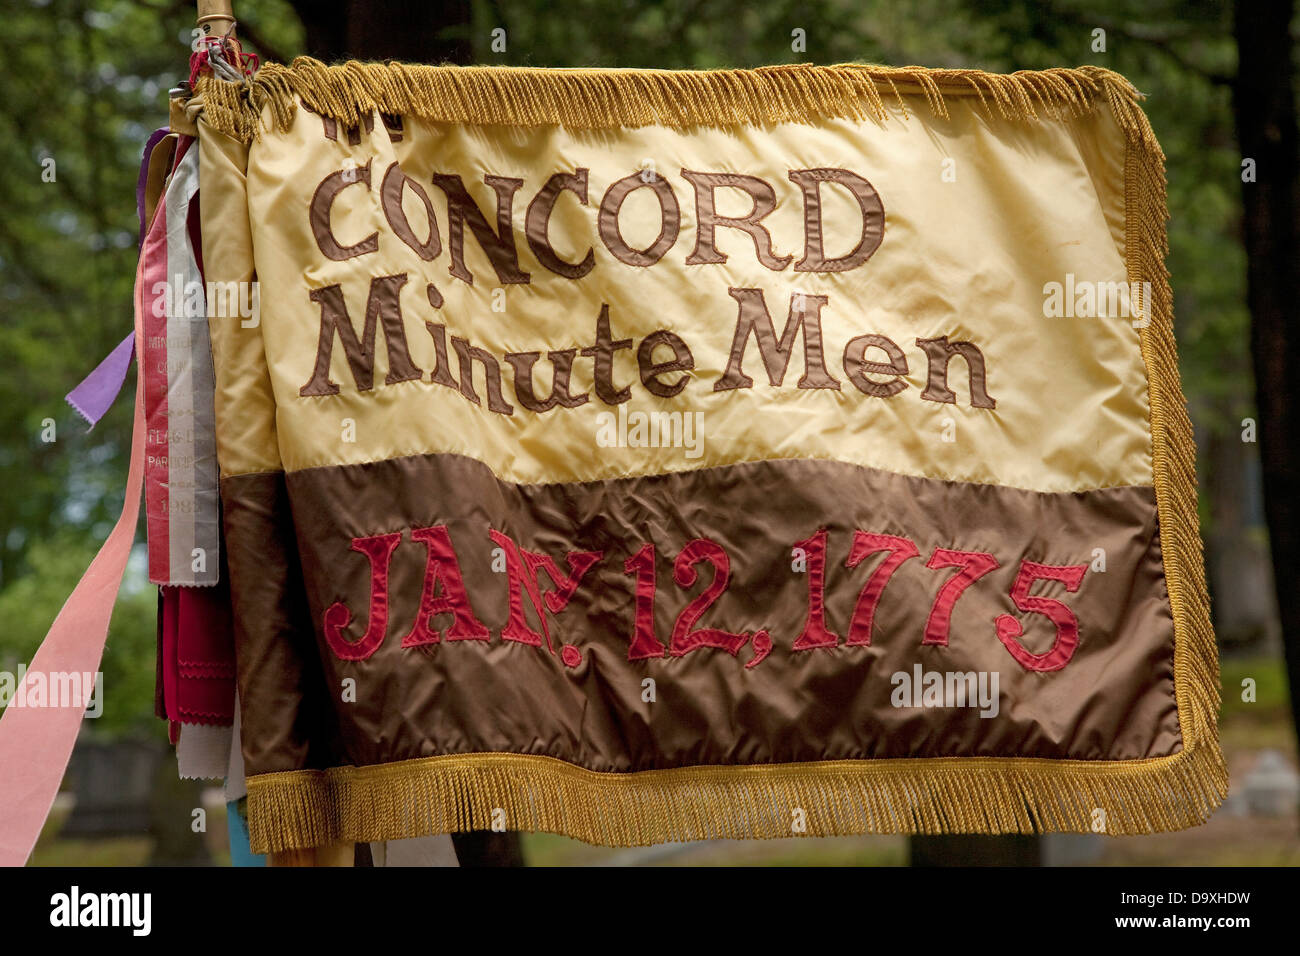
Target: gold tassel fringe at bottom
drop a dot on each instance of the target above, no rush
(455, 793)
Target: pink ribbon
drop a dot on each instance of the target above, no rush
(36, 742)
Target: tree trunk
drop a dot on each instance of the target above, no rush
(417, 31)
(1239, 565)
(1265, 112)
(977, 850)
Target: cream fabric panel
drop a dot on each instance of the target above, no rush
(245, 405)
(968, 258)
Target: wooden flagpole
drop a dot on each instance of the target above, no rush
(216, 18)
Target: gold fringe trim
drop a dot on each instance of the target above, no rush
(454, 793)
(601, 99)
(441, 794)
(1173, 447)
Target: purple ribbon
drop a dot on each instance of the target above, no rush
(143, 181)
(93, 397)
(98, 390)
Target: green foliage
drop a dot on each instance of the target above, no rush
(1271, 701)
(83, 84)
(29, 605)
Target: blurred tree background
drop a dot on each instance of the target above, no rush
(85, 81)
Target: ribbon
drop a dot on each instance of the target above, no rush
(36, 743)
(142, 181)
(98, 390)
(179, 391)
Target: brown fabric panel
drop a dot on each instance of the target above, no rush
(1113, 700)
(281, 686)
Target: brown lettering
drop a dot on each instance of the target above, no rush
(539, 217)
(603, 352)
(857, 368)
(683, 361)
(670, 220)
(498, 245)
(382, 305)
(467, 354)
(390, 194)
(562, 362)
(940, 352)
(441, 374)
(755, 318)
(873, 219)
(707, 219)
(322, 201)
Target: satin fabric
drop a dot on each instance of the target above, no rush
(968, 258)
(980, 214)
(1113, 700)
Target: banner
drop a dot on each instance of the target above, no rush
(648, 456)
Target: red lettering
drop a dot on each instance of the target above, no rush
(684, 639)
(864, 544)
(644, 644)
(444, 593)
(522, 567)
(815, 633)
(1067, 625)
(580, 562)
(379, 550)
(974, 565)
(519, 580)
